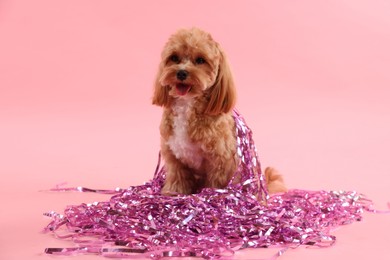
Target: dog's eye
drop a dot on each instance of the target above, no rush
(199, 60)
(174, 58)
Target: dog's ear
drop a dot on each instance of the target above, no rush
(223, 94)
(160, 95)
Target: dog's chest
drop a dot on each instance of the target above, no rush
(179, 142)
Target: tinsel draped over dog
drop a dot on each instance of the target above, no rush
(140, 222)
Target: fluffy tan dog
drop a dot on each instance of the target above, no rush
(198, 143)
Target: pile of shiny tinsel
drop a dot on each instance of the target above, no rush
(140, 222)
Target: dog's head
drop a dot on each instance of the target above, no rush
(193, 65)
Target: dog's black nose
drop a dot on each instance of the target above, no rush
(182, 75)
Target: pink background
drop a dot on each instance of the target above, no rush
(75, 103)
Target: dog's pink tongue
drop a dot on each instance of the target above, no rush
(182, 88)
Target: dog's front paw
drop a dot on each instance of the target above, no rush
(166, 191)
(174, 189)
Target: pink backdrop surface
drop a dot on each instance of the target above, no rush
(76, 79)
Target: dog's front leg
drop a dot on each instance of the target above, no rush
(179, 178)
(220, 171)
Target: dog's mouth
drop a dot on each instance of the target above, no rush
(183, 89)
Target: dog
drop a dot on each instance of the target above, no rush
(195, 87)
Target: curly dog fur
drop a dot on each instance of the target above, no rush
(195, 87)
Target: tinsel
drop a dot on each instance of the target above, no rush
(141, 222)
